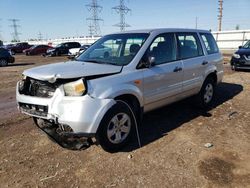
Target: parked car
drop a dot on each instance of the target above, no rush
(5, 57)
(62, 49)
(37, 49)
(76, 51)
(19, 47)
(241, 58)
(105, 96)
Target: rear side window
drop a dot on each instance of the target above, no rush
(210, 43)
(189, 45)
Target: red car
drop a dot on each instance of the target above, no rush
(36, 50)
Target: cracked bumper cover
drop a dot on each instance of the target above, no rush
(83, 114)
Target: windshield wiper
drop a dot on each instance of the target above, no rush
(100, 62)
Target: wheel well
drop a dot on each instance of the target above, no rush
(133, 102)
(213, 76)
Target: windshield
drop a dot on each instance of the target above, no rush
(59, 45)
(247, 45)
(116, 49)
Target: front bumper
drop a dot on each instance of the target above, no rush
(82, 114)
(241, 63)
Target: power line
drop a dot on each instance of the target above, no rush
(15, 32)
(122, 9)
(94, 19)
(220, 13)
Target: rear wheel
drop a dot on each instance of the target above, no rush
(116, 127)
(206, 94)
(3, 62)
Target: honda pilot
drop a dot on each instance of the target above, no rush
(104, 95)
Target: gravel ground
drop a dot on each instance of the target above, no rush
(172, 153)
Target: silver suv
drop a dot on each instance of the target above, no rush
(104, 95)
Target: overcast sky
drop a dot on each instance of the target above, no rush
(64, 18)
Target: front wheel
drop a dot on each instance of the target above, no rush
(206, 94)
(3, 62)
(116, 127)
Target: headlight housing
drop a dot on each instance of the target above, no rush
(76, 88)
(237, 56)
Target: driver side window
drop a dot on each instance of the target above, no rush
(163, 48)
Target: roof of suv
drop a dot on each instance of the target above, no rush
(165, 30)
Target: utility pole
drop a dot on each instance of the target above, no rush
(122, 9)
(220, 14)
(0, 30)
(15, 26)
(196, 22)
(94, 19)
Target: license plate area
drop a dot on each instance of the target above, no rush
(32, 109)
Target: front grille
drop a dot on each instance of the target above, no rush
(36, 88)
(38, 110)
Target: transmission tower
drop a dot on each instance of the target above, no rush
(40, 36)
(15, 32)
(122, 9)
(94, 19)
(220, 13)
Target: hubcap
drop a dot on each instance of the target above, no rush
(3, 62)
(209, 91)
(119, 128)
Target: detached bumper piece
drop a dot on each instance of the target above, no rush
(64, 136)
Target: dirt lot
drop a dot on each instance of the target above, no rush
(173, 138)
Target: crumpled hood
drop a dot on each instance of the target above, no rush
(70, 69)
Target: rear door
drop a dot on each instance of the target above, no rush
(164, 79)
(194, 62)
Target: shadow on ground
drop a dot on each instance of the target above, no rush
(20, 64)
(158, 123)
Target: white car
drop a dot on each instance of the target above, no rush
(76, 51)
(104, 94)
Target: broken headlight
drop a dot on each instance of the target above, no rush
(76, 88)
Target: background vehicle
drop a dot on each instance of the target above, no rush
(62, 49)
(76, 51)
(241, 58)
(104, 93)
(19, 47)
(37, 49)
(5, 57)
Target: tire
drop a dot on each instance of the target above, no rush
(112, 134)
(3, 62)
(234, 68)
(57, 53)
(206, 94)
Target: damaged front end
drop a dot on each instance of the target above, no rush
(63, 135)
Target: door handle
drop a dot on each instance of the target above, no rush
(177, 69)
(204, 62)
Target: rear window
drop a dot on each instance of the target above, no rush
(189, 45)
(210, 43)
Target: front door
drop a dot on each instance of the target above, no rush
(162, 81)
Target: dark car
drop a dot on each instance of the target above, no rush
(241, 58)
(18, 47)
(5, 57)
(62, 49)
(37, 49)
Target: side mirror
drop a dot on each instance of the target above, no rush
(146, 62)
(240, 47)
